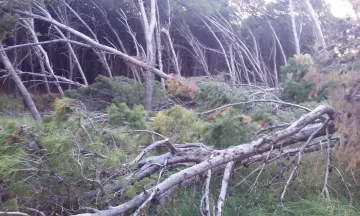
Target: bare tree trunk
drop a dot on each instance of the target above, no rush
(275, 72)
(112, 29)
(172, 51)
(278, 42)
(231, 73)
(19, 84)
(96, 44)
(294, 30)
(316, 21)
(158, 45)
(41, 63)
(199, 52)
(149, 24)
(44, 56)
(99, 53)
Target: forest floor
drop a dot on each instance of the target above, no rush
(115, 132)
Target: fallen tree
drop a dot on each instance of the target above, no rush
(200, 160)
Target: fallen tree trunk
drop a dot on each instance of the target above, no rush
(199, 159)
(93, 43)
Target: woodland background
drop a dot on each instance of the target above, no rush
(163, 107)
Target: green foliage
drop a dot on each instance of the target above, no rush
(116, 90)
(138, 186)
(295, 88)
(260, 113)
(121, 114)
(214, 94)
(11, 105)
(302, 198)
(178, 124)
(7, 24)
(296, 91)
(227, 130)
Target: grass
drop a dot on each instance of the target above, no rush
(302, 198)
(21, 119)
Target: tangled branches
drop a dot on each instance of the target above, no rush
(201, 161)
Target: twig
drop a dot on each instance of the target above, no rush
(165, 163)
(137, 212)
(255, 101)
(34, 210)
(205, 210)
(45, 42)
(168, 143)
(13, 213)
(261, 170)
(148, 149)
(302, 148)
(328, 166)
(346, 184)
(224, 186)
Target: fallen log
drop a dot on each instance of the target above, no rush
(200, 159)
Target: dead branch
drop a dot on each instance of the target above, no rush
(303, 147)
(13, 213)
(301, 130)
(205, 200)
(327, 167)
(224, 186)
(256, 101)
(95, 44)
(45, 42)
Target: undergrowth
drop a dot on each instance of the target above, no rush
(62, 158)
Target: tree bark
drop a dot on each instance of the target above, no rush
(316, 21)
(149, 24)
(206, 159)
(278, 42)
(294, 29)
(44, 56)
(19, 84)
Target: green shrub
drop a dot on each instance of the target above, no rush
(11, 105)
(214, 94)
(227, 130)
(178, 124)
(295, 89)
(116, 90)
(122, 114)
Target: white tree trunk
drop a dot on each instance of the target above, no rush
(316, 21)
(149, 24)
(19, 84)
(294, 29)
(278, 42)
(44, 56)
(97, 45)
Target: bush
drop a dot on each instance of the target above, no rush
(182, 87)
(227, 130)
(105, 91)
(122, 114)
(296, 91)
(178, 124)
(297, 86)
(11, 105)
(214, 94)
